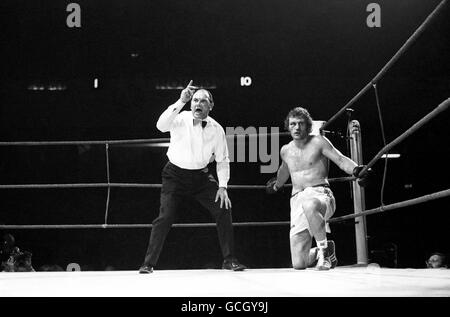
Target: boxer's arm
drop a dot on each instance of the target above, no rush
(283, 171)
(342, 161)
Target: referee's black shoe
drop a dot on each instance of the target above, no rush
(233, 265)
(146, 269)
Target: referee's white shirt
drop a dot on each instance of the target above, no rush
(193, 147)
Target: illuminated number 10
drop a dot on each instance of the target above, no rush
(246, 81)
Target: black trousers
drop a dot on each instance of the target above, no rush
(177, 184)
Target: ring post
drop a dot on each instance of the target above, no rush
(109, 183)
(359, 201)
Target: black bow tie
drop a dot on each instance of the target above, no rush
(204, 123)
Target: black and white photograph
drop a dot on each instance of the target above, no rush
(226, 154)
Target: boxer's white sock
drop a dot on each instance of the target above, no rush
(322, 244)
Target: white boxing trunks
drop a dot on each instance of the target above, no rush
(299, 222)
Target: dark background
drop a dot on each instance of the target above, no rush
(316, 54)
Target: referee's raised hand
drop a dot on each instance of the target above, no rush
(188, 92)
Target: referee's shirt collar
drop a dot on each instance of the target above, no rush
(204, 121)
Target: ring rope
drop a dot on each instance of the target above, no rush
(110, 142)
(397, 205)
(120, 142)
(124, 226)
(442, 107)
(139, 185)
(383, 137)
(108, 180)
(388, 65)
(130, 141)
(401, 204)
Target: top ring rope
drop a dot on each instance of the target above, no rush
(110, 142)
(442, 107)
(389, 64)
(118, 142)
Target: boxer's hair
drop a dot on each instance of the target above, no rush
(299, 112)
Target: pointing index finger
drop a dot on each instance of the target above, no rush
(191, 87)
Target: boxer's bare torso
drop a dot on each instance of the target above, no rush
(307, 165)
